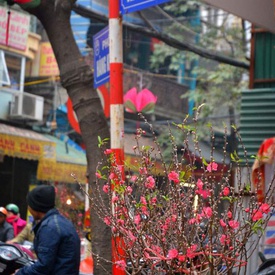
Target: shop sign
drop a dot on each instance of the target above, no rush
(101, 57)
(48, 64)
(14, 29)
(62, 172)
(21, 147)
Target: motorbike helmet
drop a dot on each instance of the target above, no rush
(3, 211)
(12, 208)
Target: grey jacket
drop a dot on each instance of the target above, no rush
(6, 232)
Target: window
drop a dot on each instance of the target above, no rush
(4, 76)
(12, 70)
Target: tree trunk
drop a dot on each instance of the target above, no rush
(77, 78)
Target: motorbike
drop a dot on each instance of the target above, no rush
(267, 266)
(13, 257)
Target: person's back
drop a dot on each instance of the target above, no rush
(57, 236)
(56, 242)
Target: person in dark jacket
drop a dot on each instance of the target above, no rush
(56, 242)
(6, 230)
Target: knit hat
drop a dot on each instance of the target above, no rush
(41, 198)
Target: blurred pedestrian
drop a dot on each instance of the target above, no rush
(6, 230)
(56, 242)
(25, 235)
(13, 217)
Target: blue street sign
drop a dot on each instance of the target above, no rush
(101, 57)
(127, 6)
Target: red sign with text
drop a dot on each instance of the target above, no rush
(14, 29)
(48, 64)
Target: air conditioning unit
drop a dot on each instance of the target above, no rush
(27, 106)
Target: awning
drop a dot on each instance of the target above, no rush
(258, 12)
(56, 159)
(27, 144)
(68, 161)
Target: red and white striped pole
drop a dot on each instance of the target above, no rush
(116, 106)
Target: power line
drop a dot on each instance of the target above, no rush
(181, 45)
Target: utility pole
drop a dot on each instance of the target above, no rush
(116, 107)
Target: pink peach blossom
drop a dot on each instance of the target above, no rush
(191, 251)
(143, 170)
(233, 224)
(199, 184)
(207, 211)
(182, 258)
(107, 220)
(174, 218)
(226, 191)
(98, 175)
(257, 215)
(213, 166)
(173, 176)
(173, 253)
(204, 193)
(222, 223)
(224, 239)
(120, 265)
(150, 182)
(265, 208)
(112, 176)
(106, 188)
(120, 222)
(192, 221)
(120, 168)
(129, 189)
(108, 151)
(137, 219)
(131, 236)
(114, 199)
(143, 200)
(133, 178)
(154, 201)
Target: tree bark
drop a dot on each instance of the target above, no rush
(77, 78)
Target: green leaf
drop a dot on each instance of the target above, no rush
(230, 199)
(166, 198)
(99, 141)
(204, 162)
(258, 226)
(182, 174)
(247, 187)
(234, 157)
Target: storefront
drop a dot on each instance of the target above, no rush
(29, 158)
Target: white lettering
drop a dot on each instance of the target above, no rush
(105, 43)
(101, 67)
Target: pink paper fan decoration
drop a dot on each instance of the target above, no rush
(143, 102)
